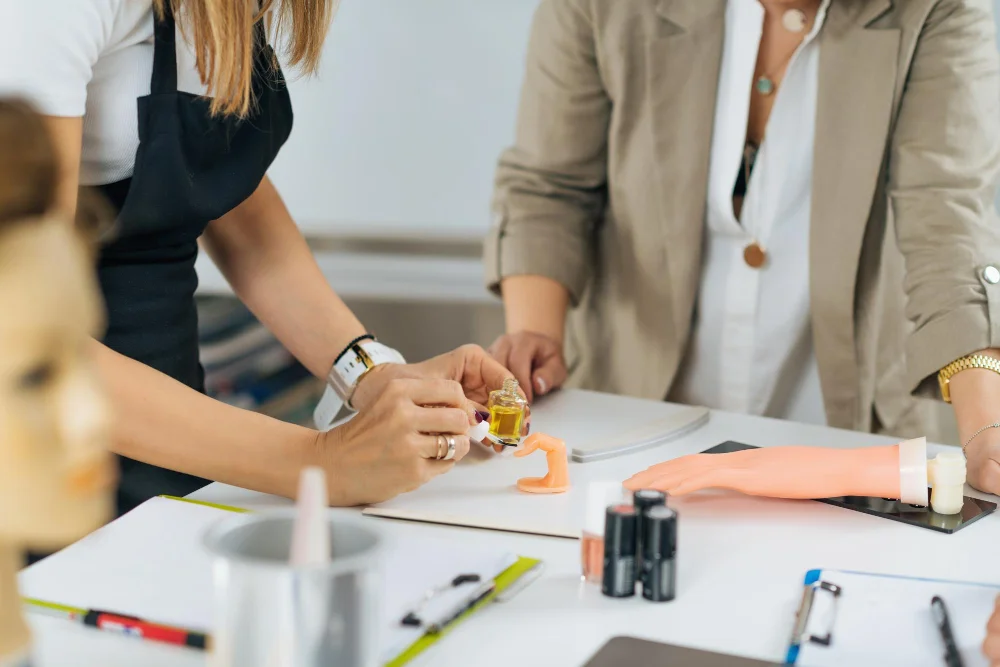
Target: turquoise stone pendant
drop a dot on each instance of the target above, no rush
(765, 86)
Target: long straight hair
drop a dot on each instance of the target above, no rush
(222, 32)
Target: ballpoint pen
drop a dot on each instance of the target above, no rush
(952, 658)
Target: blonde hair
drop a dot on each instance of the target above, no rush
(222, 32)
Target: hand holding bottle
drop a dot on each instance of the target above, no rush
(470, 366)
(390, 446)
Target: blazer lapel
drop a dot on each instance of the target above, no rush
(683, 56)
(857, 82)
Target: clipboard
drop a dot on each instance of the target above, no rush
(861, 618)
(522, 572)
(123, 566)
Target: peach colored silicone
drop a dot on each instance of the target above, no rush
(781, 472)
(557, 479)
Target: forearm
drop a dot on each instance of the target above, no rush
(263, 255)
(162, 422)
(535, 303)
(975, 396)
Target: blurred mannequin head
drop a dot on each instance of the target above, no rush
(55, 471)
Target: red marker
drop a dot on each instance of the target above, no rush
(136, 627)
(128, 626)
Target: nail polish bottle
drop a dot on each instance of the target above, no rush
(507, 409)
(620, 542)
(659, 561)
(600, 495)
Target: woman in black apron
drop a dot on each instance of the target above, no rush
(194, 167)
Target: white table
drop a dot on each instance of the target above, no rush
(741, 563)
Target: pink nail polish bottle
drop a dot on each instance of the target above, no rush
(599, 496)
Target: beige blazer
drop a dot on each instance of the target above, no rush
(605, 190)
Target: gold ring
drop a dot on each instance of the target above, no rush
(442, 445)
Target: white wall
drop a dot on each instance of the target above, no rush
(399, 134)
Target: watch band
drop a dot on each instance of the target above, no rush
(965, 363)
(359, 357)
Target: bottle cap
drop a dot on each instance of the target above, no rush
(659, 529)
(643, 499)
(599, 496)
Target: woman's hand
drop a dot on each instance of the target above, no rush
(535, 359)
(390, 446)
(475, 371)
(991, 646)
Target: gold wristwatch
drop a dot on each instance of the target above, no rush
(964, 364)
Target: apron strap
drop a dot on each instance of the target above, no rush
(164, 54)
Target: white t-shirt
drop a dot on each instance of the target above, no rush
(90, 58)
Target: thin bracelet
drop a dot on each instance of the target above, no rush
(985, 428)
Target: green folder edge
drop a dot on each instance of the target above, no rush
(504, 580)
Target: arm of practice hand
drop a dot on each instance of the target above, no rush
(780, 472)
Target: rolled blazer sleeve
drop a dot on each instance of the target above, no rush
(550, 185)
(943, 173)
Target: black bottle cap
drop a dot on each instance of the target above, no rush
(659, 533)
(643, 499)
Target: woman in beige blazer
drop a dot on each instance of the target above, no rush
(833, 273)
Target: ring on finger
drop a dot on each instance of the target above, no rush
(451, 449)
(442, 447)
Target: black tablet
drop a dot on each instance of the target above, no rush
(924, 517)
(632, 652)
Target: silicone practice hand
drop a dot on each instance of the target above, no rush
(781, 472)
(557, 479)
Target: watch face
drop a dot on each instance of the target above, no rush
(945, 390)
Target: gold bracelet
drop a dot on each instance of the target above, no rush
(965, 363)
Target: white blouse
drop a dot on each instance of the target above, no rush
(751, 349)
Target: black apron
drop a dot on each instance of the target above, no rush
(190, 169)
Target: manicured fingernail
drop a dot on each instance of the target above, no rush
(540, 384)
(527, 428)
(482, 416)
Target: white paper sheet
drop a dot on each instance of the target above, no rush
(151, 563)
(886, 621)
(481, 491)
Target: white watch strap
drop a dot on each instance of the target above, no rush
(349, 367)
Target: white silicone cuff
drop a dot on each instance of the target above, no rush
(913, 471)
